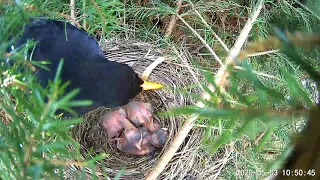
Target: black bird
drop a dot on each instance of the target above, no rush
(105, 82)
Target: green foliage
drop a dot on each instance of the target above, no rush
(257, 105)
(34, 137)
(253, 103)
(107, 22)
(35, 142)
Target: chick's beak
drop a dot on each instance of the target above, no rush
(139, 144)
(150, 86)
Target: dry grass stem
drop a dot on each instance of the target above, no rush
(146, 73)
(104, 21)
(35, 9)
(207, 25)
(84, 21)
(172, 23)
(205, 126)
(73, 10)
(222, 73)
(259, 73)
(187, 65)
(255, 142)
(216, 57)
(263, 53)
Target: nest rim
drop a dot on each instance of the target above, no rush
(138, 56)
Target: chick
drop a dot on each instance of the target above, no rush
(129, 142)
(130, 137)
(157, 139)
(115, 123)
(112, 123)
(140, 113)
(144, 131)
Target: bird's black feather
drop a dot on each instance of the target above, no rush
(105, 82)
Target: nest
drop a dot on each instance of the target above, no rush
(90, 135)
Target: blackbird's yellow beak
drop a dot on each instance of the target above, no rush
(150, 86)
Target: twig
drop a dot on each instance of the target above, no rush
(207, 25)
(224, 162)
(73, 10)
(222, 73)
(187, 65)
(259, 73)
(263, 53)
(305, 7)
(205, 126)
(33, 8)
(255, 142)
(101, 14)
(188, 125)
(172, 23)
(174, 146)
(84, 23)
(69, 17)
(236, 67)
(7, 115)
(27, 153)
(64, 163)
(146, 73)
(7, 2)
(298, 110)
(202, 40)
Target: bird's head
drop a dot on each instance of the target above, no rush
(123, 83)
(159, 138)
(141, 82)
(134, 137)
